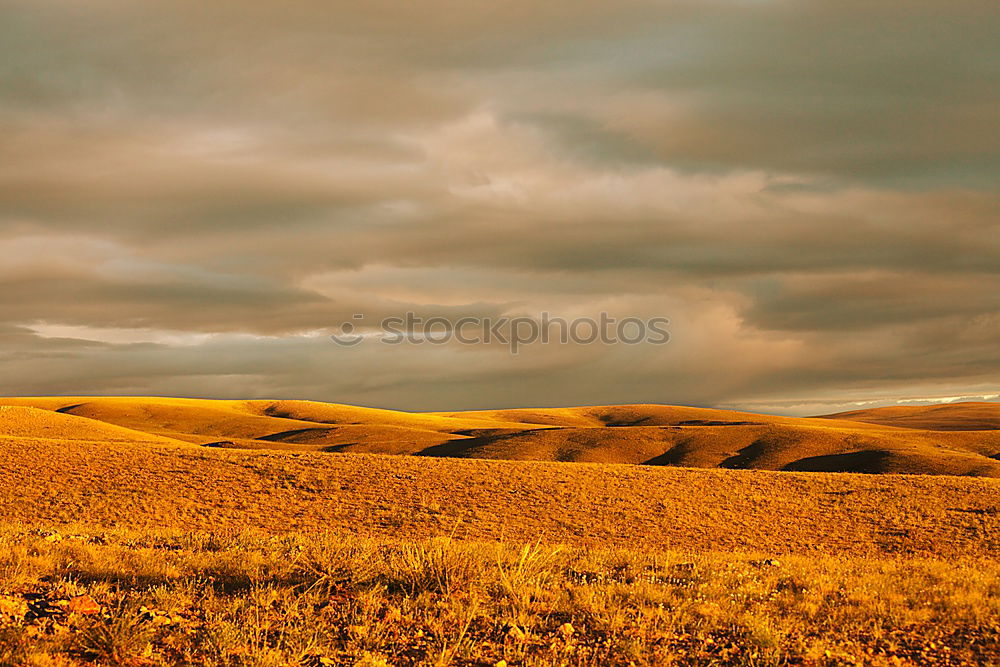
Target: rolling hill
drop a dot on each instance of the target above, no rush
(22, 422)
(955, 439)
(970, 416)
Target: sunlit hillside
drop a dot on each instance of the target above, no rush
(954, 440)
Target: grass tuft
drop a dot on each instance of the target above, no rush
(433, 566)
(120, 638)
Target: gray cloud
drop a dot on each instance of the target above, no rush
(190, 193)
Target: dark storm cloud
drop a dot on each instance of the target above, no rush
(879, 92)
(189, 192)
(852, 302)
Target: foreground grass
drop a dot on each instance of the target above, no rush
(113, 597)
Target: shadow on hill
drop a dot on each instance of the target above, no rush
(747, 455)
(284, 436)
(716, 422)
(673, 456)
(463, 447)
(869, 461)
(494, 433)
(339, 449)
(454, 449)
(613, 420)
(274, 411)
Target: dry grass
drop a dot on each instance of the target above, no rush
(116, 484)
(244, 598)
(143, 551)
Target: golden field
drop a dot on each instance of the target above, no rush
(301, 537)
(162, 597)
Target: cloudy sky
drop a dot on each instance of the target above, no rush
(193, 195)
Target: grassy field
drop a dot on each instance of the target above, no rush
(45, 482)
(117, 597)
(135, 548)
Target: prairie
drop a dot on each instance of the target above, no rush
(126, 540)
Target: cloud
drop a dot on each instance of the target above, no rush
(192, 194)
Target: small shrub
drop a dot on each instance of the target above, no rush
(435, 566)
(533, 566)
(329, 565)
(119, 639)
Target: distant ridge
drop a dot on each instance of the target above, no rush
(968, 416)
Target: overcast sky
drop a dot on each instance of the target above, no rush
(194, 194)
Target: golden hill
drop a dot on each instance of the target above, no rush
(940, 440)
(21, 422)
(969, 416)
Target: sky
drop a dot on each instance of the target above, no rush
(195, 195)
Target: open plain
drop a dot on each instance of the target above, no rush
(175, 531)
